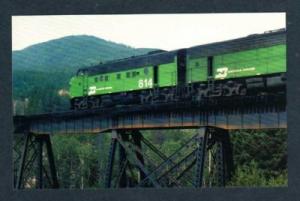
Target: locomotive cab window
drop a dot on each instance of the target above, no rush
(128, 74)
(106, 77)
(96, 79)
(118, 76)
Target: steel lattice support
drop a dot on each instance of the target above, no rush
(202, 161)
(200, 156)
(110, 164)
(123, 181)
(34, 157)
(131, 165)
(214, 153)
(137, 139)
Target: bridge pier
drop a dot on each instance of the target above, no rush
(36, 149)
(131, 159)
(202, 161)
(213, 153)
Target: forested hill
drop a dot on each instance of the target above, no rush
(70, 53)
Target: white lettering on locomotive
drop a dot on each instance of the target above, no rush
(146, 83)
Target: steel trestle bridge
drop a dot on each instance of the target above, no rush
(204, 160)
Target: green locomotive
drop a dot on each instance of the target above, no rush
(229, 68)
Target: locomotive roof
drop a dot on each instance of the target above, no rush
(249, 42)
(252, 41)
(132, 62)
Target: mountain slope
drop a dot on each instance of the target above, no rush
(70, 53)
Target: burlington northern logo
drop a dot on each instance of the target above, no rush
(93, 89)
(222, 72)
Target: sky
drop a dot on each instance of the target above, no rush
(162, 31)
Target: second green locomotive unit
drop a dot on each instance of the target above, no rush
(230, 68)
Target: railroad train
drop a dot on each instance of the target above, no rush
(252, 64)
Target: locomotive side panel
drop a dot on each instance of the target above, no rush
(277, 62)
(259, 61)
(76, 87)
(196, 69)
(123, 81)
(167, 74)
